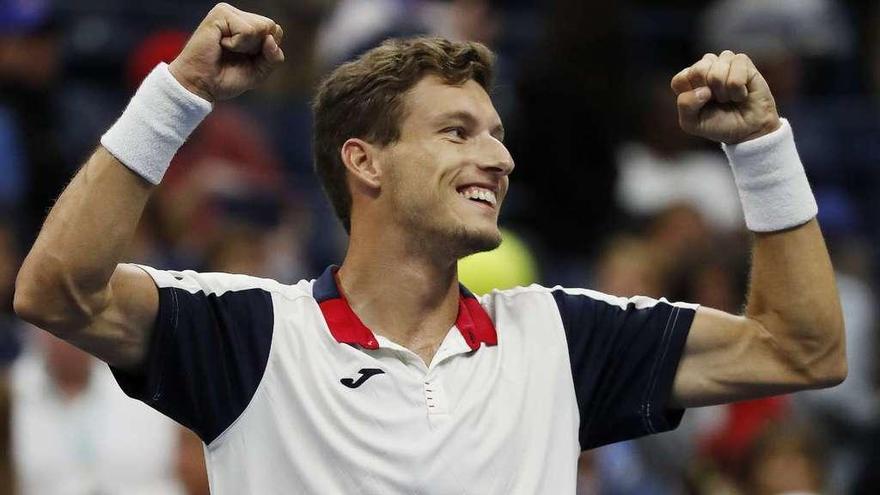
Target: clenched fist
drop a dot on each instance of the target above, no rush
(229, 53)
(724, 98)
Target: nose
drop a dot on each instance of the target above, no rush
(494, 156)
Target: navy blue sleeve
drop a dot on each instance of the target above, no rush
(207, 352)
(624, 354)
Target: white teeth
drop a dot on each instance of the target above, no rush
(475, 192)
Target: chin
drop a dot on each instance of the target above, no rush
(470, 241)
(453, 240)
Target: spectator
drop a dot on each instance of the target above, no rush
(849, 412)
(787, 459)
(7, 474)
(629, 266)
(74, 432)
(33, 168)
(228, 166)
(565, 131)
(9, 324)
(663, 167)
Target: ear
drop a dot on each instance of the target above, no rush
(361, 160)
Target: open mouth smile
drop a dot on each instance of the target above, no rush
(479, 195)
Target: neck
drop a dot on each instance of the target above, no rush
(400, 291)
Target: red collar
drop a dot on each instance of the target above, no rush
(473, 322)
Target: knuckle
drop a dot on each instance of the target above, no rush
(222, 9)
(262, 24)
(736, 80)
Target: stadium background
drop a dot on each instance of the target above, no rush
(608, 193)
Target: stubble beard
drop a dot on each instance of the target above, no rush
(463, 242)
(453, 241)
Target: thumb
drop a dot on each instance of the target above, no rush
(689, 105)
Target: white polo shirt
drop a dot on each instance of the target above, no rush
(291, 393)
(97, 442)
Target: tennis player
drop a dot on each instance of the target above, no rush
(384, 375)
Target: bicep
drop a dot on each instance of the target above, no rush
(729, 358)
(119, 334)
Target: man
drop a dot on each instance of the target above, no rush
(386, 376)
(102, 442)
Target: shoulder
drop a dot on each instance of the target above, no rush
(572, 303)
(515, 294)
(219, 283)
(558, 293)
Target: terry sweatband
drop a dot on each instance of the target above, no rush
(772, 184)
(154, 125)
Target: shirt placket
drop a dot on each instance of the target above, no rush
(435, 398)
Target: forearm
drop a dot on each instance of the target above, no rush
(793, 295)
(65, 276)
(64, 282)
(71, 282)
(791, 336)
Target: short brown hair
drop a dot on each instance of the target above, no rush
(364, 99)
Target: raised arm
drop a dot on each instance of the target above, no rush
(791, 336)
(71, 282)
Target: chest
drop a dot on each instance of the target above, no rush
(342, 419)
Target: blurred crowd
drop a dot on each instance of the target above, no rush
(608, 194)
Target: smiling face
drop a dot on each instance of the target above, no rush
(446, 177)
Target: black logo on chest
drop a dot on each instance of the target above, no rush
(366, 373)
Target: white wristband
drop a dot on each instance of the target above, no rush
(772, 184)
(154, 125)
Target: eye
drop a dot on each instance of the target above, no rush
(457, 131)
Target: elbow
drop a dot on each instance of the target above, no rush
(49, 301)
(837, 368)
(838, 375)
(34, 306)
(26, 301)
(829, 367)
(813, 356)
(829, 376)
(25, 305)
